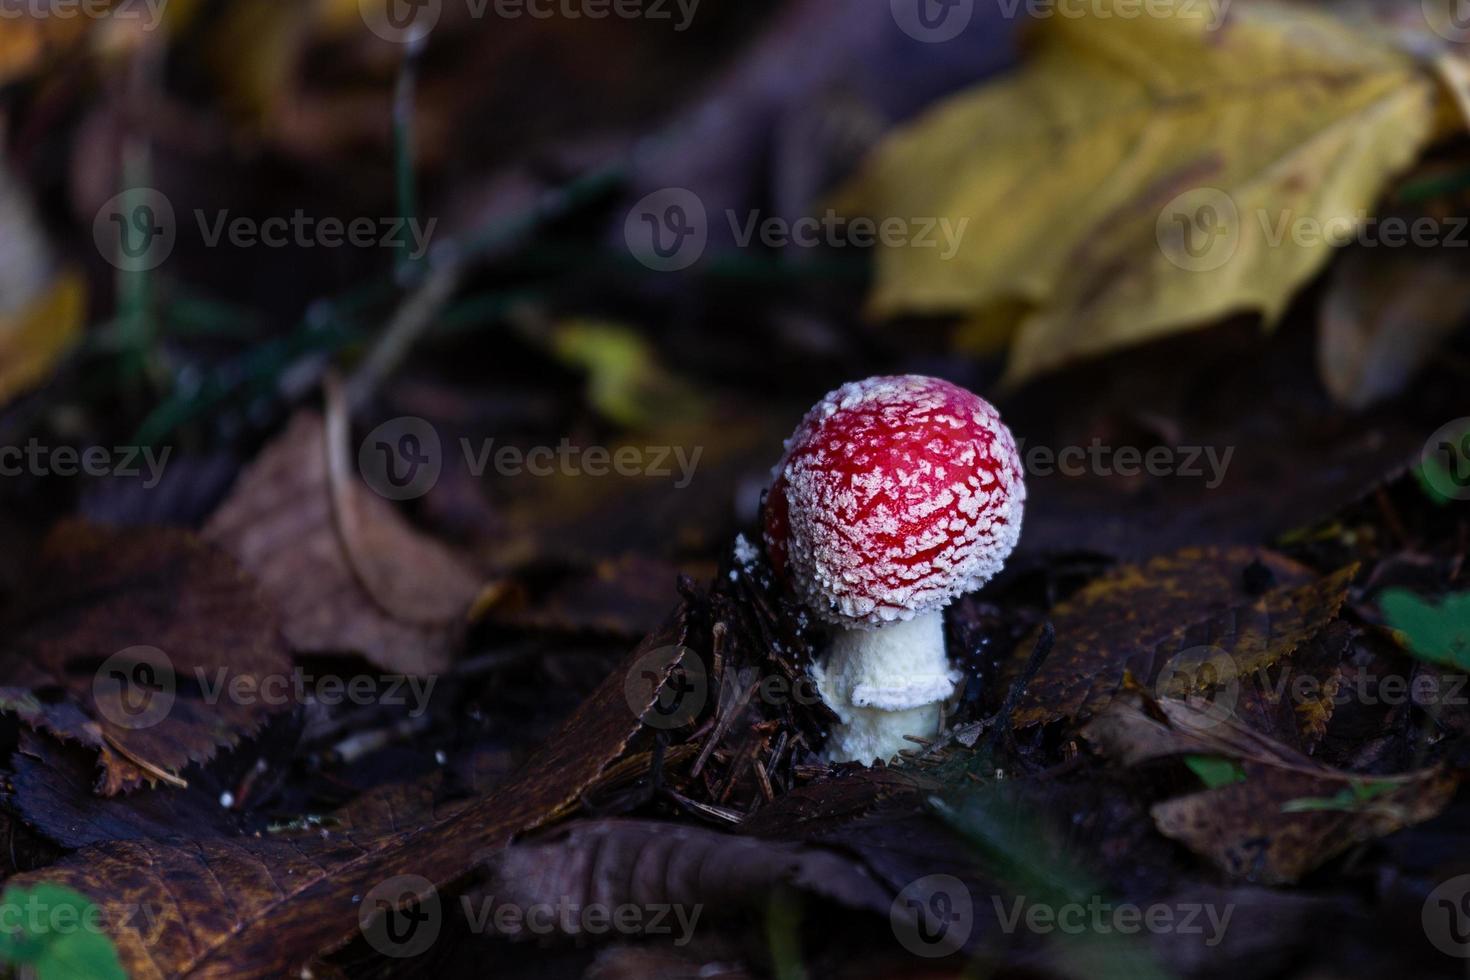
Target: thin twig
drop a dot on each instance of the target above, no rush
(1039, 653)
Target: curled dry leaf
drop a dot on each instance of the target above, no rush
(1288, 815)
(1384, 316)
(1139, 175)
(266, 906)
(50, 789)
(137, 627)
(1180, 616)
(345, 571)
(620, 862)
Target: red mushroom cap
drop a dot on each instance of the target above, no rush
(895, 495)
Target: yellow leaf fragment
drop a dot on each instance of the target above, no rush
(35, 337)
(1143, 175)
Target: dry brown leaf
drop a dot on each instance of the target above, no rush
(618, 862)
(346, 572)
(138, 627)
(267, 906)
(1289, 814)
(1385, 314)
(1177, 615)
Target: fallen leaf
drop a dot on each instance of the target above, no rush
(1436, 632)
(1384, 316)
(266, 906)
(1294, 700)
(1132, 179)
(137, 627)
(1249, 832)
(345, 571)
(623, 862)
(1257, 828)
(41, 313)
(1176, 617)
(50, 946)
(51, 790)
(626, 381)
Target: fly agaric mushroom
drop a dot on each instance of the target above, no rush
(895, 495)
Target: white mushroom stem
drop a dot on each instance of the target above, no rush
(884, 683)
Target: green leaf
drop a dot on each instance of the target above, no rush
(1439, 634)
(1351, 798)
(1215, 771)
(57, 933)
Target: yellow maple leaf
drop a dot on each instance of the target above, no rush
(1145, 174)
